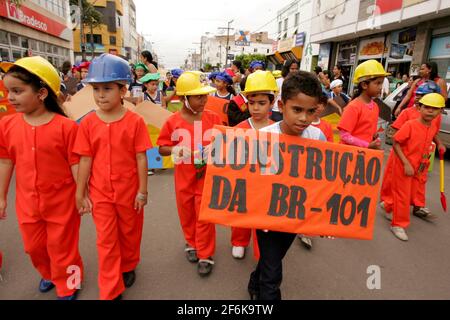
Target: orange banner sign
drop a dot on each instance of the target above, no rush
(283, 183)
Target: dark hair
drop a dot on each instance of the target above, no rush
(66, 67)
(323, 99)
(271, 96)
(317, 70)
(301, 82)
(328, 73)
(434, 69)
(238, 64)
(51, 102)
(287, 66)
(338, 66)
(243, 83)
(231, 90)
(148, 56)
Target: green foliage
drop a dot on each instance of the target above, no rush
(208, 67)
(245, 59)
(90, 14)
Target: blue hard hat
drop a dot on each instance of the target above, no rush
(428, 87)
(224, 77)
(176, 73)
(108, 68)
(213, 75)
(257, 63)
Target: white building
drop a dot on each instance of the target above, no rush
(214, 49)
(130, 35)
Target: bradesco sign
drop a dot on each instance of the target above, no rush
(32, 19)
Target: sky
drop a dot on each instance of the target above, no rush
(173, 26)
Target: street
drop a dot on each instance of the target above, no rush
(334, 269)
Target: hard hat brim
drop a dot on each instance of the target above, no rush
(372, 76)
(247, 93)
(198, 92)
(104, 80)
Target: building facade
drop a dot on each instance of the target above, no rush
(106, 38)
(37, 27)
(130, 35)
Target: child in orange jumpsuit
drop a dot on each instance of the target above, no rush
(386, 189)
(38, 140)
(323, 124)
(260, 90)
(112, 143)
(358, 125)
(189, 178)
(411, 160)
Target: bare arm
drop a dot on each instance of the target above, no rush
(141, 197)
(165, 151)
(407, 98)
(84, 170)
(443, 85)
(6, 170)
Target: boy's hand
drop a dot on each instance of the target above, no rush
(375, 144)
(181, 153)
(409, 170)
(84, 205)
(3, 205)
(140, 202)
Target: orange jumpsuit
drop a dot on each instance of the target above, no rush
(386, 188)
(45, 191)
(188, 186)
(360, 120)
(415, 140)
(113, 186)
(326, 129)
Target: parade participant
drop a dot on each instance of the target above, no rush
(301, 94)
(411, 150)
(224, 86)
(288, 67)
(153, 94)
(337, 75)
(38, 141)
(83, 69)
(260, 90)
(336, 88)
(323, 125)
(212, 78)
(147, 60)
(386, 188)
(358, 125)
(237, 108)
(189, 173)
(112, 143)
(257, 65)
(176, 73)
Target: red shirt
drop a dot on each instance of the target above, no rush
(412, 114)
(360, 120)
(326, 129)
(113, 148)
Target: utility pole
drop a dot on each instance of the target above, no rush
(82, 44)
(228, 40)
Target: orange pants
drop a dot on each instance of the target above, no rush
(51, 239)
(188, 189)
(386, 194)
(240, 237)
(406, 191)
(119, 235)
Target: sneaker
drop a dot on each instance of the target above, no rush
(238, 252)
(423, 213)
(306, 242)
(400, 233)
(129, 278)
(151, 173)
(73, 297)
(45, 286)
(387, 215)
(205, 266)
(191, 254)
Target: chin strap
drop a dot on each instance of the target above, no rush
(189, 106)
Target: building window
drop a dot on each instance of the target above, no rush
(97, 38)
(297, 18)
(4, 38)
(286, 24)
(112, 40)
(14, 40)
(24, 42)
(280, 24)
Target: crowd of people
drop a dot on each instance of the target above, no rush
(102, 165)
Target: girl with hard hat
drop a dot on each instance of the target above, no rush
(224, 85)
(83, 69)
(358, 125)
(38, 141)
(260, 90)
(153, 94)
(112, 143)
(189, 172)
(411, 151)
(419, 196)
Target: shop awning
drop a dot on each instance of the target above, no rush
(275, 58)
(293, 54)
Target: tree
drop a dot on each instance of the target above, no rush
(208, 67)
(245, 59)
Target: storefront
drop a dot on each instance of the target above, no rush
(29, 31)
(440, 53)
(346, 59)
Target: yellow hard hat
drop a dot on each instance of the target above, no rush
(261, 81)
(40, 68)
(368, 70)
(434, 100)
(277, 74)
(189, 84)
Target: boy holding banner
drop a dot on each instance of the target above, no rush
(180, 137)
(301, 92)
(260, 90)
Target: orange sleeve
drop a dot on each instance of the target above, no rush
(328, 131)
(165, 136)
(402, 118)
(142, 140)
(82, 144)
(4, 154)
(403, 134)
(349, 118)
(71, 135)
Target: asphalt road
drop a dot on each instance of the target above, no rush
(333, 269)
